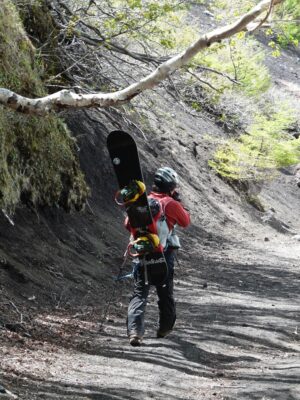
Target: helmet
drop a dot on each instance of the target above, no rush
(166, 179)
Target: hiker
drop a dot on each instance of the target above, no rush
(164, 190)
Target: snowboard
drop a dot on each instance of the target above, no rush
(125, 160)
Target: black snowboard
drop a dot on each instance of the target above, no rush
(125, 159)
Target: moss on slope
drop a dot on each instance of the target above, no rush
(38, 161)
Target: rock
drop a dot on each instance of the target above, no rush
(5, 394)
(266, 239)
(208, 13)
(297, 237)
(268, 215)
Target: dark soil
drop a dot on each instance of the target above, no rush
(62, 316)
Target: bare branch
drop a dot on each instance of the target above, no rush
(260, 23)
(203, 81)
(67, 99)
(215, 71)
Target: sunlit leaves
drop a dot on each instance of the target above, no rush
(148, 21)
(266, 146)
(288, 23)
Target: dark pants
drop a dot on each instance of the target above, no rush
(166, 303)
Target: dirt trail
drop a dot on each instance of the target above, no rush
(237, 338)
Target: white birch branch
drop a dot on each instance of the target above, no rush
(67, 99)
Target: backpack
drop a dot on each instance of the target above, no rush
(167, 238)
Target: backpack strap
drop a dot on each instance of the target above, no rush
(172, 240)
(165, 203)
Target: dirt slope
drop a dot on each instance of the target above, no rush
(62, 317)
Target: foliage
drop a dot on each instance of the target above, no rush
(151, 22)
(241, 58)
(102, 45)
(266, 146)
(37, 156)
(44, 34)
(255, 202)
(228, 11)
(285, 20)
(288, 25)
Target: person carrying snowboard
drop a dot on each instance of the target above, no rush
(164, 190)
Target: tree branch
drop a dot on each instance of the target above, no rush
(215, 71)
(67, 99)
(253, 27)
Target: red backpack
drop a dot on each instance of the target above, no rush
(159, 227)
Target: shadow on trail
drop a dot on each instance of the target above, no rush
(261, 280)
(57, 390)
(188, 357)
(244, 320)
(244, 327)
(284, 394)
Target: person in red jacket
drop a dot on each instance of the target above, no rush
(165, 190)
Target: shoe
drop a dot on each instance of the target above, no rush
(135, 340)
(161, 334)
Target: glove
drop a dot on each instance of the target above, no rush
(176, 196)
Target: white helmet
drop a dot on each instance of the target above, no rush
(166, 178)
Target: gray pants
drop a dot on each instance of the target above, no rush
(138, 302)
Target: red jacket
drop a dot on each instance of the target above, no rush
(174, 212)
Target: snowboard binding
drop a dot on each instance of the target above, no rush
(130, 193)
(144, 244)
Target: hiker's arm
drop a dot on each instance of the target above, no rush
(177, 214)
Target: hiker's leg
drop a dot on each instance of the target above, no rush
(166, 302)
(137, 305)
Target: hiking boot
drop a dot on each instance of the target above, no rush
(135, 340)
(161, 334)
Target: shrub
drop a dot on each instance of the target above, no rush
(257, 154)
